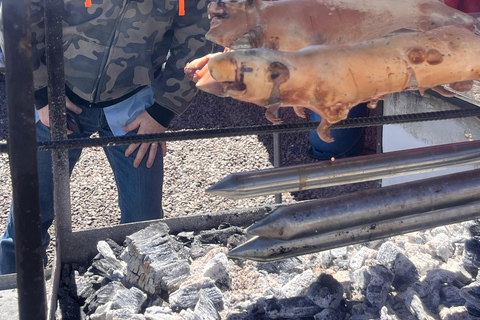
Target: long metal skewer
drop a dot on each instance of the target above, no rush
(267, 249)
(369, 206)
(358, 169)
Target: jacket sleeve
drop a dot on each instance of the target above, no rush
(174, 91)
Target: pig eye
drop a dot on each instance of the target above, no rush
(246, 69)
(274, 75)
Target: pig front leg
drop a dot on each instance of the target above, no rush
(323, 131)
(269, 114)
(300, 111)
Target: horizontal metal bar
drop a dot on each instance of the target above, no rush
(369, 206)
(358, 169)
(253, 130)
(267, 249)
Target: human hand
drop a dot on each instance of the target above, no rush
(44, 114)
(146, 125)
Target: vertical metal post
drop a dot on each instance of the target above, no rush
(58, 123)
(277, 155)
(22, 147)
(54, 10)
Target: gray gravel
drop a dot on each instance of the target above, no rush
(190, 166)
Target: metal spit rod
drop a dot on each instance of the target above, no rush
(369, 206)
(267, 249)
(343, 171)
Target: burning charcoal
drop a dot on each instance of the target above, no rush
(339, 253)
(69, 309)
(86, 286)
(326, 292)
(471, 293)
(131, 299)
(237, 239)
(160, 313)
(126, 299)
(331, 314)
(188, 294)
(472, 253)
(379, 286)
(102, 296)
(299, 285)
(473, 310)
(205, 309)
(450, 296)
(198, 250)
(109, 266)
(188, 315)
(219, 236)
(360, 278)
(285, 265)
(217, 269)
(186, 237)
(405, 272)
(387, 314)
(454, 313)
(152, 258)
(291, 308)
(416, 306)
(116, 248)
(442, 246)
(121, 314)
(359, 258)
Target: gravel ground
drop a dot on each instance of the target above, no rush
(190, 166)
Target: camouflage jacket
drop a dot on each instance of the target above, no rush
(116, 47)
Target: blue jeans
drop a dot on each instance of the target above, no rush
(139, 189)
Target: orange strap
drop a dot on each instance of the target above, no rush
(88, 3)
(181, 7)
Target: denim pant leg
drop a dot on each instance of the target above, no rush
(139, 189)
(45, 184)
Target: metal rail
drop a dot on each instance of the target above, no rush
(255, 130)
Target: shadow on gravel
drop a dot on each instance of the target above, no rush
(208, 111)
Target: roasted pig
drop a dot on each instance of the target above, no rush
(330, 80)
(290, 25)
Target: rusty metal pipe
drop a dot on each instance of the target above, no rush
(343, 171)
(267, 249)
(370, 206)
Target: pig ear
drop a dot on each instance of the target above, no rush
(279, 72)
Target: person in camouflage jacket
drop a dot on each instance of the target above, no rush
(124, 73)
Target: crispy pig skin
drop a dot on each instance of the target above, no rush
(290, 25)
(330, 80)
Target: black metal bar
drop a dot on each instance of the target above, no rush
(23, 160)
(54, 11)
(58, 124)
(255, 130)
